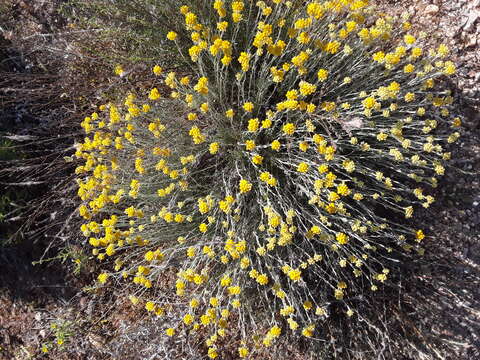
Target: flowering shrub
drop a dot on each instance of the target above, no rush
(271, 181)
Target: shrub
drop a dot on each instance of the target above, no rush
(275, 180)
(126, 31)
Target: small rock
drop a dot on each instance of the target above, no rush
(471, 41)
(38, 316)
(83, 302)
(96, 340)
(431, 9)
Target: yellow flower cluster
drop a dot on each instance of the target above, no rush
(270, 172)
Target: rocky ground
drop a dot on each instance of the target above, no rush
(32, 298)
(454, 220)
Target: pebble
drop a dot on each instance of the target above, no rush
(431, 9)
(38, 316)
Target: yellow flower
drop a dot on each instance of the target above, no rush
(303, 38)
(257, 159)
(170, 331)
(379, 56)
(194, 52)
(409, 97)
(443, 50)
(225, 280)
(292, 324)
(303, 146)
(369, 102)
(306, 88)
(229, 113)
(262, 279)
(322, 74)
(341, 238)
(249, 145)
(204, 107)
(185, 80)
(154, 94)
(188, 319)
(194, 303)
(275, 331)
(119, 70)
(409, 39)
(275, 145)
(222, 26)
(287, 310)
(307, 305)
(244, 262)
(242, 352)
(150, 306)
(214, 301)
(267, 11)
(213, 148)
(196, 135)
(308, 331)
(248, 107)
(295, 274)
(329, 106)
(409, 68)
(190, 19)
(303, 167)
(195, 36)
(157, 70)
(172, 35)
(202, 87)
(244, 60)
(103, 278)
(419, 235)
(288, 128)
(449, 68)
(253, 125)
(212, 353)
(237, 6)
(416, 52)
(191, 251)
(203, 227)
(234, 290)
(205, 319)
(343, 190)
(245, 186)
